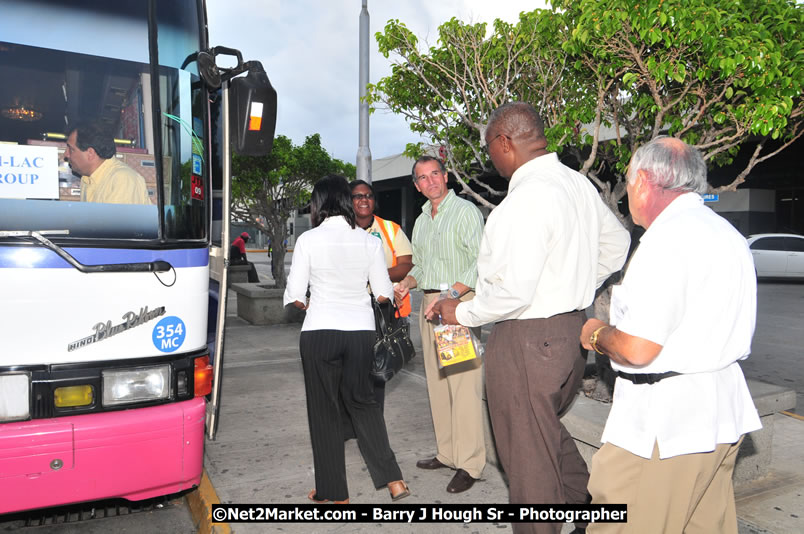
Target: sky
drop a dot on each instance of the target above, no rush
(309, 49)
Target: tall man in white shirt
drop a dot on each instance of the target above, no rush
(681, 319)
(546, 248)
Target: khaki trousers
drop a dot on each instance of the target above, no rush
(456, 401)
(691, 493)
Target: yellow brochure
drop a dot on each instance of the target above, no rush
(455, 344)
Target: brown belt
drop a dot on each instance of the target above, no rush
(428, 291)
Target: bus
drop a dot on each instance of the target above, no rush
(111, 323)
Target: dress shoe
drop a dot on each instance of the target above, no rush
(398, 490)
(313, 497)
(461, 482)
(430, 463)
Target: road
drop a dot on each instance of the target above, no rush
(778, 349)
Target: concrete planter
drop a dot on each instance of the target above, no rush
(262, 304)
(587, 417)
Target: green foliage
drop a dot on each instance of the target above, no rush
(715, 74)
(266, 190)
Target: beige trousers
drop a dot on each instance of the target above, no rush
(690, 494)
(456, 402)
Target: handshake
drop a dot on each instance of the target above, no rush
(439, 310)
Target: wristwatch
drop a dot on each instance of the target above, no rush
(454, 293)
(593, 339)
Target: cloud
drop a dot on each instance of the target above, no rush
(309, 49)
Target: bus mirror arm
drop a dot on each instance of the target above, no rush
(157, 266)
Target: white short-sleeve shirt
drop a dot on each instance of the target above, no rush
(691, 288)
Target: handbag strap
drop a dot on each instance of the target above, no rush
(383, 327)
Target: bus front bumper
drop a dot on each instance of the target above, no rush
(132, 454)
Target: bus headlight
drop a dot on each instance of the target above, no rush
(141, 384)
(15, 396)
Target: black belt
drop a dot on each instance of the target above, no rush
(646, 378)
(428, 291)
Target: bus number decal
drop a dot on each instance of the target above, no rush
(168, 334)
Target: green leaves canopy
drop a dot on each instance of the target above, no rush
(607, 76)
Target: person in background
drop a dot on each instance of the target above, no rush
(398, 253)
(104, 178)
(336, 259)
(446, 239)
(237, 256)
(546, 248)
(680, 321)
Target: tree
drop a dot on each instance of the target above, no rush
(266, 190)
(608, 76)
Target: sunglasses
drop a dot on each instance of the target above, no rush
(360, 196)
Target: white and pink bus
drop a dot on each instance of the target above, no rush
(110, 328)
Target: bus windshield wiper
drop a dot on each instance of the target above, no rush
(146, 267)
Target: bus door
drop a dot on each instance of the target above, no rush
(242, 118)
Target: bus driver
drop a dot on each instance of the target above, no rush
(104, 178)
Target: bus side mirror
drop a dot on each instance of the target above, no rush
(253, 112)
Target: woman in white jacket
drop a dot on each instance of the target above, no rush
(336, 259)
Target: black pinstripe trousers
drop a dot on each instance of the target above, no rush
(336, 366)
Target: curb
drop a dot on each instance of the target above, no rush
(200, 502)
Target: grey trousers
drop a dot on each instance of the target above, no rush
(534, 368)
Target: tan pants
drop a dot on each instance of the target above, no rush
(456, 402)
(691, 493)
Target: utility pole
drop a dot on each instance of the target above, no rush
(363, 151)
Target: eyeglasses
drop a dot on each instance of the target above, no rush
(433, 175)
(361, 196)
(488, 145)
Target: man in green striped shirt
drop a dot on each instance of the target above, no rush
(446, 241)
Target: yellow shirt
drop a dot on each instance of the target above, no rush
(114, 182)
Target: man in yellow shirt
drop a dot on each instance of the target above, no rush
(91, 153)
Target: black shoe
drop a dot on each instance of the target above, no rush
(430, 463)
(461, 482)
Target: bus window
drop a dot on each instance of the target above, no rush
(183, 105)
(84, 71)
(47, 93)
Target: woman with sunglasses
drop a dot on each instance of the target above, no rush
(397, 248)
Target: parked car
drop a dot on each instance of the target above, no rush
(778, 255)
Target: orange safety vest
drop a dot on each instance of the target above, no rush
(385, 226)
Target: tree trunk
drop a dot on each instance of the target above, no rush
(277, 233)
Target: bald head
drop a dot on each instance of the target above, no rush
(520, 131)
(517, 120)
(670, 164)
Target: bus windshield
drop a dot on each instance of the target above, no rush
(136, 167)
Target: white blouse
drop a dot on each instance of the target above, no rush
(337, 261)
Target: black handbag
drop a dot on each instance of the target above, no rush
(393, 348)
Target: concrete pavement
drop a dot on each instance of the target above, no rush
(262, 452)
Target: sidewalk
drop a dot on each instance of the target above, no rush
(262, 452)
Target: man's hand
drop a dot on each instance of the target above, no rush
(402, 289)
(586, 332)
(300, 305)
(620, 347)
(444, 309)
